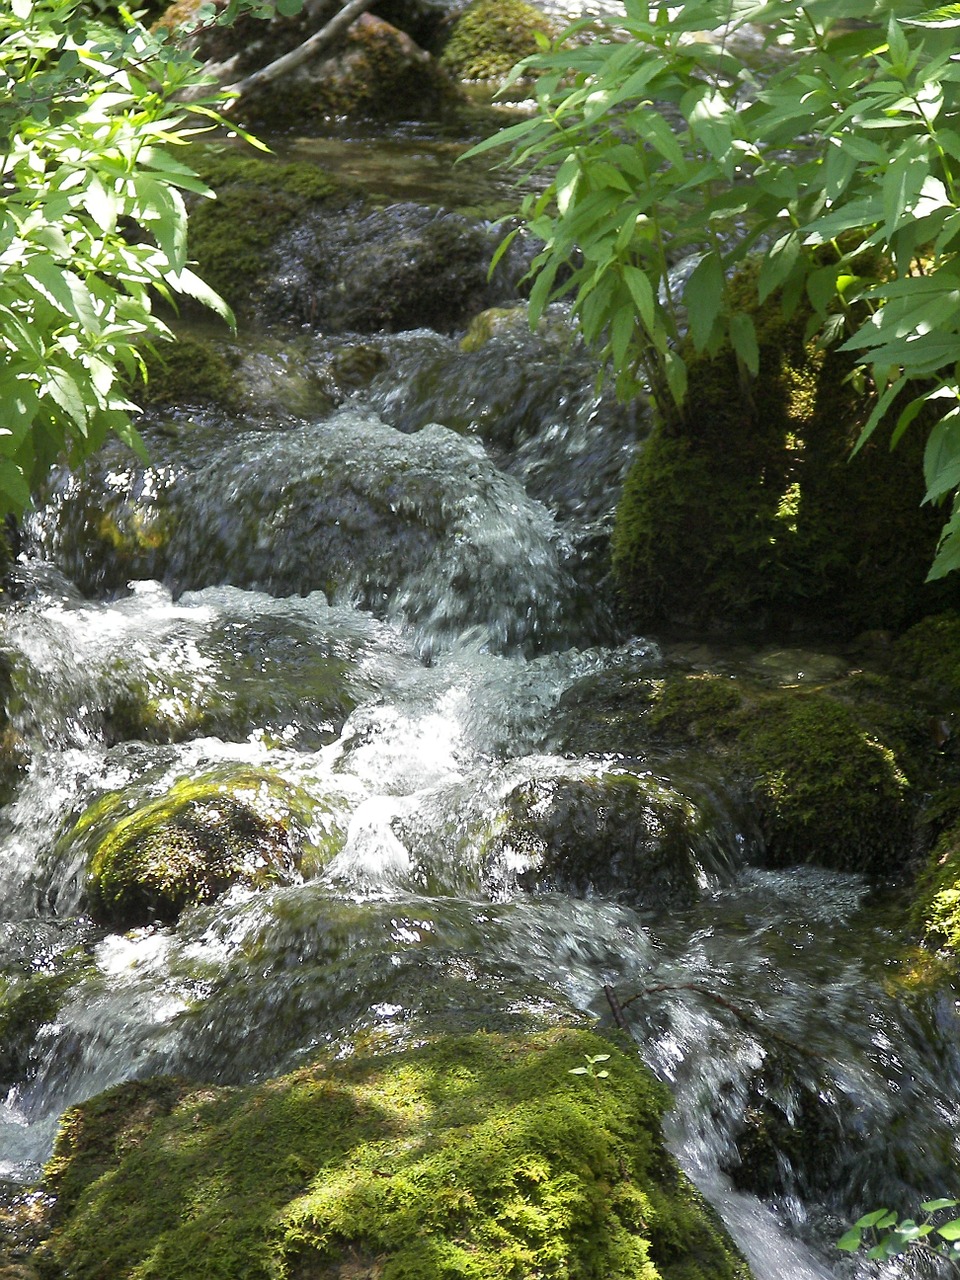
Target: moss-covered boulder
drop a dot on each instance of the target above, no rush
(229, 826)
(613, 832)
(374, 70)
(834, 775)
(491, 36)
(745, 513)
(289, 245)
(478, 1157)
(378, 73)
(258, 199)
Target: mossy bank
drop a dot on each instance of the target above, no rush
(477, 1157)
(746, 515)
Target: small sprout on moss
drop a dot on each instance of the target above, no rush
(591, 1068)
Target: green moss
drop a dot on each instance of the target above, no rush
(929, 654)
(746, 513)
(206, 833)
(935, 911)
(476, 1157)
(491, 37)
(834, 776)
(190, 371)
(829, 790)
(257, 200)
(612, 832)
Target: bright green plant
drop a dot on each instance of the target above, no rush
(93, 226)
(884, 1235)
(837, 170)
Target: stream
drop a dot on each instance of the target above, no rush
(385, 602)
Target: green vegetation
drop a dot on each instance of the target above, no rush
(884, 1235)
(206, 833)
(745, 516)
(481, 1157)
(631, 192)
(93, 225)
(491, 36)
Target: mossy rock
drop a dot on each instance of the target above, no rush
(257, 200)
(192, 371)
(229, 826)
(929, 655)
(491, 36)
(833, 777)
(745, 514)
(617, 833)
(935, 911)
(480, 1157)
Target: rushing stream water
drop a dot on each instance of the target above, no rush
(383, 605)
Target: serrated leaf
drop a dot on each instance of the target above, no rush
(190, 284)
(63, 390)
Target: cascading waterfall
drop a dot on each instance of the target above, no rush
(384, 614)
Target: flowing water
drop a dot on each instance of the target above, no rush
(381, 604)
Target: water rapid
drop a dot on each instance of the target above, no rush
(381, 609)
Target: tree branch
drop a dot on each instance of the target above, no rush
(303, 52)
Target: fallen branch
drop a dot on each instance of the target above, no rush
(303, 52)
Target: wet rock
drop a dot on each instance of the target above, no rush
(205, 834)
(260, 377)
(403, 267)
(834, 776)
(797, 1135)
(608, 832)
(288, 244)
(422, 529)
(479, 1155)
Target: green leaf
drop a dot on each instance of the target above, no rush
(949, 1230)
(641, 291)
(851, 1241)
(703, 298)
(778, 262)
(63, 390)
(743, 336)
(941, 471)
(931, 1206)
(190, 284)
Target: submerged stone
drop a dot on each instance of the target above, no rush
(481, 1157)
(229, 826)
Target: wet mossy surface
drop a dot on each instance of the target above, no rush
(491, 36)
(746, 515)
(834, 775)
(258, 199)
(479, 1157)
(615, 833)
(230, 826)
